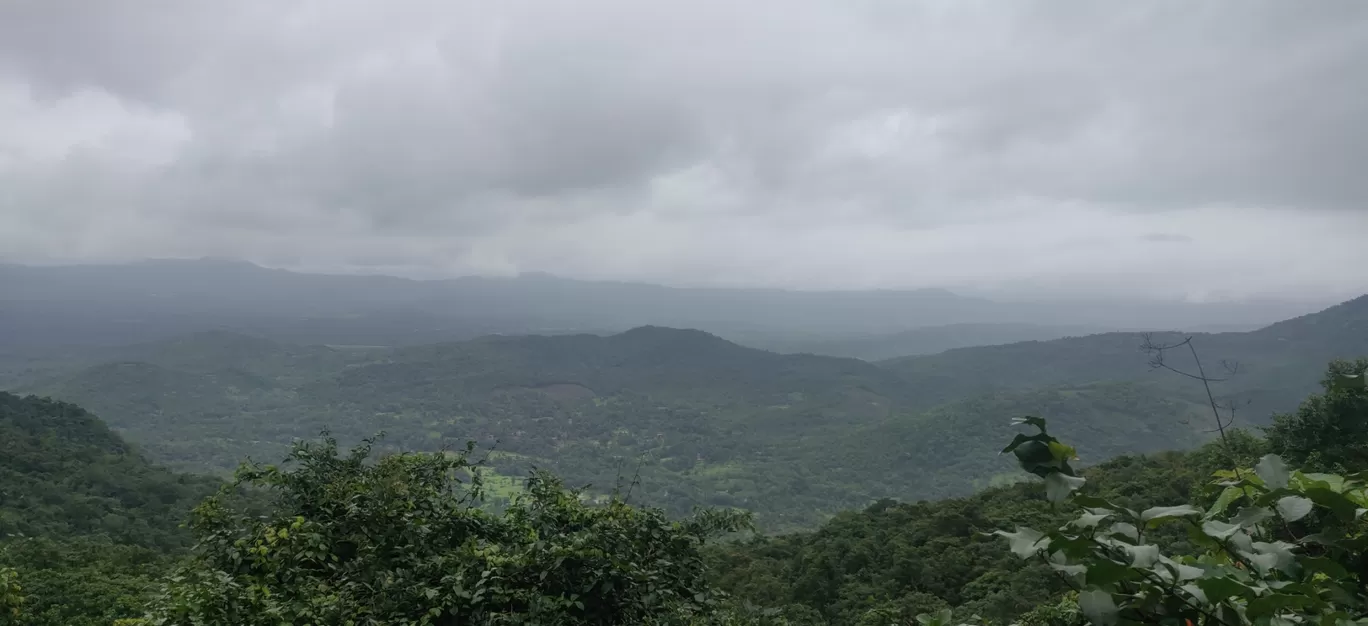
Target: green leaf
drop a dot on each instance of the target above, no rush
(1104, 572)
(1089, 520)
(1281, 550)
(1171, 569)
(1273, 471)
(1342, 507)
(1274, 603)
(1196, 592)
(1228, 496)
(1098, 606)
(1143, 556)
(1324, 565)
(1062, 453)
(1126, 530)
(1017, 441)
(1025, 542)
(1058, 486)
(1221, 588)
(1069, 569)
(1332, 482)
(1251, 515)
(1158, 513)
(1035, 457)
(941, 618)
(1265, 563)
(1219, 530)
(1293, 508)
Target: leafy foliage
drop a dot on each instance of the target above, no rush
(82, 581)
(1293, 552)
(11, 598)
(86, 523)
(1329, 431)
(893, 560)
(401, 541)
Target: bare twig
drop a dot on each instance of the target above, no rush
(1158, 353)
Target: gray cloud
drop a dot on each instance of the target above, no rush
(801, 143)
(1166, 238)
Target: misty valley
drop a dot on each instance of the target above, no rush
(683, 313)
(785, 486)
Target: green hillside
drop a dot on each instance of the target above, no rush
(63, 472)
(688, 417)
(88, 524)
(1277, 365)
(92, 527)
(895, 560)
(691, 418)
(915, 341)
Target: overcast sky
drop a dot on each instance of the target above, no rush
(1206, 149)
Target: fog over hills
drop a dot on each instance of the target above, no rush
(119, 304)
(585, 285)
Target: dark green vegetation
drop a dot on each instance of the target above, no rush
(85, 519)
(62, 472)
(667, 418)
(696, 420)
(701, 420)
(912, 342)
(893, 560)
(1264, 540)
(403, 540)
(328, 539)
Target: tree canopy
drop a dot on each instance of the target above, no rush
(401, 540)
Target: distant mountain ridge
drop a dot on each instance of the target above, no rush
(44, 307)
(1276, 365)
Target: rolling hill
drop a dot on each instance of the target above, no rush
(912, 342)
(64, 473)
(1275, 365)
(687, 416)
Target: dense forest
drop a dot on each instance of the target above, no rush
(692, 419)
(88, 522)
(335, 536)
(662, 476)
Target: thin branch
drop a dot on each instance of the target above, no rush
(1157, 354)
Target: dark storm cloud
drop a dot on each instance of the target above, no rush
(800, 143)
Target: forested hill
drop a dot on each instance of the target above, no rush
(703, 420)
(695, 419)
(658, 362)
(63, 472)
(895, 560)
(1276, 365)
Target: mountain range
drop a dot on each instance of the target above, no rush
(684, 417)
(84, 305)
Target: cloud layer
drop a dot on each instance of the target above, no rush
(1165, 148)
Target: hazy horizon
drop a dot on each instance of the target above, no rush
(964, 292)
(1157, 150)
